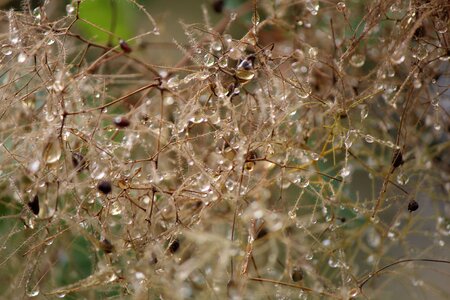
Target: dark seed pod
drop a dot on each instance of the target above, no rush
(397, 159)
(218, 5)
(125, 47)
(78, 161)
(413, 205)
(297, 274)
(247, 63)
(121, 122)
(106, 246)
(174, 246)
(261, 233)
(34, 205)
(232, 90)
(104, 187)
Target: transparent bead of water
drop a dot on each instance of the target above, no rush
(173, 82)
(223, 62)
(304, 91)
(364, 112)
(70, 9)
(345, 172)
(341, 7)
(402, 178)
(313, 52)
(369, 139)
(216, 46)
(37, 13)
(441, 26)
(7, 50)
(52, 152)
(358, 60)
(33, 293)
(333, 263)
(208, 60)
(22, 57)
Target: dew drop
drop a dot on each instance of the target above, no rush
(70, 9)
(7, 49)
(357, 60)
(345, 172)
(369, 139)
(22, 57)
(37, 14)
(341, 7)
(33, 293)
(333, 263)
(216, 46)
(208, 60)
(223, 62)
(52, 152)
(364, 112)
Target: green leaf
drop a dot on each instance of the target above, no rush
(102, 13)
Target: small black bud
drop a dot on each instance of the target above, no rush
(218, 5)
(104, 187)
(297, 274)
(121, 122)
(397, 159)
(261, 233)
(34, 205)
(125, 47)
(174, 246)
(106, 246)
(78, 161)
(413, 205)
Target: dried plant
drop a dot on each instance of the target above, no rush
(305, 159)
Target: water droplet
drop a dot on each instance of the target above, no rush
(313, 52)
(223, 62)
(33, 167)
(52, 152)
(364, 112)
(373, 238)
(420, 52)
(309, 256)
(216, 46)
(441, 26)
(369, 139)
(255, 18)
(245, 74)
(33, 293)
(341, 7)
(173, 82)
(227, 38)
(208, 60)
(402, 178)
(116, 208)
(37, 14)
(304, 91)
(229, 184)
(333, 263)
(345, 172)
(22, 57)
(397, 57)
(70, 9)
(357, 60)
(7, 49)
